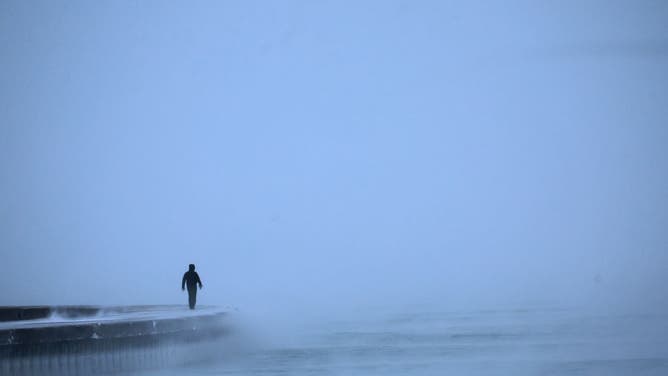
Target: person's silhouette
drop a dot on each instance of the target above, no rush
(191, 278)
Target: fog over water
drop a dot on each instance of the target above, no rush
(323, 160)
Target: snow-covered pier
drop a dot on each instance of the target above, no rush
(83, 340)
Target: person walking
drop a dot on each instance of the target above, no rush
(191, 279)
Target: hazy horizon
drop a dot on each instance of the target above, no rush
(317, 156)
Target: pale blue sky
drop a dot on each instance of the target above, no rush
(333, 152)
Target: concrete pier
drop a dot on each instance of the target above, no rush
(77, 340)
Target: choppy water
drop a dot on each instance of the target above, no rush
(503, 342)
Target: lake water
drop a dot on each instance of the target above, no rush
(490, 342)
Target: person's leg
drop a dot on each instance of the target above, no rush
(192, 298)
